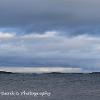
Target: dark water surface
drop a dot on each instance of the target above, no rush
(61, 86)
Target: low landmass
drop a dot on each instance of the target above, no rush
(4, 72)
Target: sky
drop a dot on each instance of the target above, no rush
(51, 33)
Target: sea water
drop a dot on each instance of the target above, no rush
(49, 86)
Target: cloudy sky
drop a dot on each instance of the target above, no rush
(50, 33)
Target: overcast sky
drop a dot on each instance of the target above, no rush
(52, 33)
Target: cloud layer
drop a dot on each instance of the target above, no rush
(73, 17)
(50, 49)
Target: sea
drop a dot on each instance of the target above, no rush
(49, 86)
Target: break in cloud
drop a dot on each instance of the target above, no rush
(40, 69)
(50, 33)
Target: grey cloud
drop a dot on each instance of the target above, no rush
(28, 16)
(50, 50)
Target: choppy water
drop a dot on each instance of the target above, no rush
(61, 86)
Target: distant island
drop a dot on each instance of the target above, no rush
(95, 73)
(4, 72)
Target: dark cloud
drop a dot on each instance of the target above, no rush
(26, 16)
